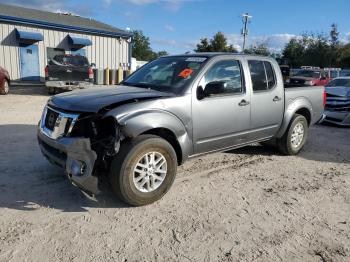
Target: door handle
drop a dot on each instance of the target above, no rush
(243, 103)
(276, 99)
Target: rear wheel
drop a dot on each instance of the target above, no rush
(295, 137)
(6, 87)
(144, 170)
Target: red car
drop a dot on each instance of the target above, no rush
(4, 81)
(310, 77)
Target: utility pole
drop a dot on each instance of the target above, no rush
(246, 18)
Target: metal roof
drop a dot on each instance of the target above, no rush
(21, 15)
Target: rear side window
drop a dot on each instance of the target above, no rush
(262, 74)
(70, 60)
(270, 75)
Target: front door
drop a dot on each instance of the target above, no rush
(29, 58)
(221, 117)
(267, 107)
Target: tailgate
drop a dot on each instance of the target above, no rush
(68, 73)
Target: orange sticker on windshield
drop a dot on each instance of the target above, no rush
(186, 73)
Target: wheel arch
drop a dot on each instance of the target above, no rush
(162, 124)
(170, 137)
(300, 106)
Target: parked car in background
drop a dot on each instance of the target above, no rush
(344, 72)
(310, 77)
(4, 81)
(337, 110)
(68, 72)
(333, 72)
(172, 109)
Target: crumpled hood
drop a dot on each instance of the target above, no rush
(98, 97)
(338, 91)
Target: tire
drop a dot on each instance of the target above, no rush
(298, 125)
(6, 88)
(52, 91)
(130, 156)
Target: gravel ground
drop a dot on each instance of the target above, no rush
(251, 204)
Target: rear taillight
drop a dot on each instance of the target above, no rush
(324, 98)
(91, 73)
(46, 71)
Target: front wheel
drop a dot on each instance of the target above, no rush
(144, 170)
(295, 137)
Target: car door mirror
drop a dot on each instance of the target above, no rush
(215, 88)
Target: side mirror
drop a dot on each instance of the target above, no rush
(215, 88)
(93, 65)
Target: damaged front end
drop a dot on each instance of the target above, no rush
(81, 143)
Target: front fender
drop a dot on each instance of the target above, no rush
(136, 123)
(292, 108)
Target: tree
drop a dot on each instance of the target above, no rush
(260, 49)
(217, 44)
(294, 52)
(345, 56)
(203, 46)
(323, 50)
(141, 47)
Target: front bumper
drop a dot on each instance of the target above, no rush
(68, 153)
(68, 85)
(337, 117)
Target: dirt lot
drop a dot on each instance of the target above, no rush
(250, 204)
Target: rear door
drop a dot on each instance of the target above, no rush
(267, 100)
(221, 120)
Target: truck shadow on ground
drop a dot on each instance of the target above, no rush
(28, 182)
(28, 90)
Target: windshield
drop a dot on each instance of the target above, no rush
(71, 60)
(167, 74)
(339, 82)
(308, 73)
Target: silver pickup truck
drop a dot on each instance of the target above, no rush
(170, 110)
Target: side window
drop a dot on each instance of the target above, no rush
(270, 75)
(227, 74)
(262, 74)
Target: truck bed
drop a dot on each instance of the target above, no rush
(313, 96)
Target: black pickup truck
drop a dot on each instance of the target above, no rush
(68, 72)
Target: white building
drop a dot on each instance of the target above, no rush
(29, 38)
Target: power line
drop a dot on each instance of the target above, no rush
(246, 18)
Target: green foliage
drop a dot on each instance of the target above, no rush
(344, 57)
(217, 44)
(141, 48)
(317, 50)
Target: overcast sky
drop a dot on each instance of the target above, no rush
(177, 25)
